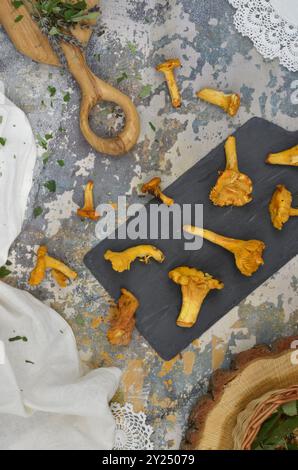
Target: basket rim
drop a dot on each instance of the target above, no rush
(249, 422)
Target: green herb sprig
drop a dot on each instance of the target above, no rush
(55, 18)
(280, 431)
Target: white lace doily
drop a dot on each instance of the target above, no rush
(132, 432)
(271, 32)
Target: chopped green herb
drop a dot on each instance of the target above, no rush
(61, 129)
(48, 136)
(4, 272)
(66, 97)
(45, 157)
(54, 31)
(52, 90)
(42, 142)
(17, 3)
(80, 320)
(124, 76)
(51, 186)
(152, 126)
(60, 162)
(18, 338)
(145, 91)
(37, 212)
(18, 18)
(2, 141)
(132, 47)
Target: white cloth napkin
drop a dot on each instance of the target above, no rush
(49, 404)
(17, 160)
(46, 401)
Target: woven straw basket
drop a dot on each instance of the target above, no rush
(253, 392)
(251, 419)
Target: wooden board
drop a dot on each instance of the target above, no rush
(160, 298)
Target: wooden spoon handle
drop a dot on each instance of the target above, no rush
(94, 90)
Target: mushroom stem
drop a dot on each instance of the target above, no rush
(165, 199)
(191, 304)
(293, 212)
(39, 271)
(59, 266)
(153, 187)
(167, 68)
(231, 154)
(88, 210)
(211, 236)
(287, 157)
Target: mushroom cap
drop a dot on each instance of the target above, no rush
(249, 256)
(151, 185)
(280, 206)
(183, 275)
(232, 189)
(168, 65)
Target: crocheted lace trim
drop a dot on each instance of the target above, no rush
(272, 35)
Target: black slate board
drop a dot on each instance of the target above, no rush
(160, 298)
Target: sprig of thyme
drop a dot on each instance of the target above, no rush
(55, 18)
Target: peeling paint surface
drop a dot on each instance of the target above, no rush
(138, 35)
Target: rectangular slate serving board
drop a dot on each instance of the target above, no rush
(160, 298)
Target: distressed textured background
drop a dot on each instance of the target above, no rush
(131, 38)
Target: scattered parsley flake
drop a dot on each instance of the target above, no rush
(37, 212)
(145, 91)
(48, 136)
(66, 97)
(61, 162)
(18, 338)
(2, 141)
(52, 90)
(152, 126)
(51, 186)
(18, 18)
(124, 76)
(42, 142)
(80, 320)
(132, 47)
(17, 3)
(45, 157)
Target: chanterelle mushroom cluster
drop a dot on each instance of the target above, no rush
(60, 272)
(233, 188)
